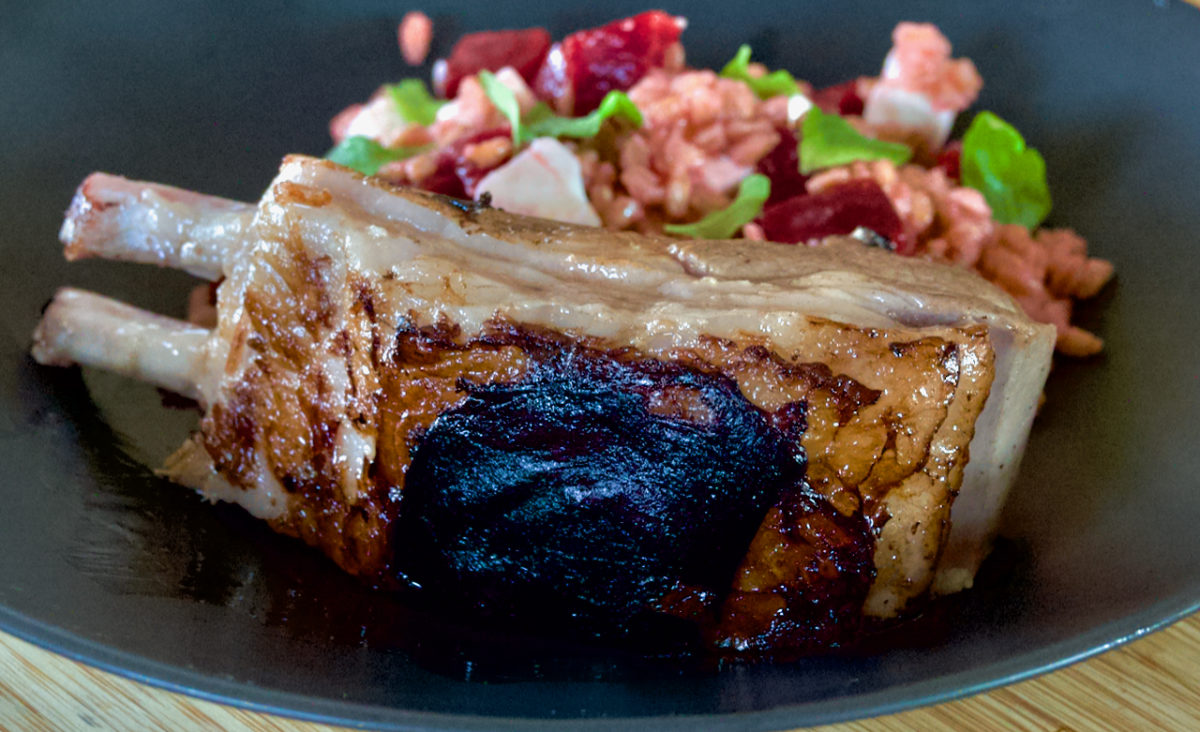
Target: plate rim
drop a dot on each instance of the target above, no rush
(273, 701)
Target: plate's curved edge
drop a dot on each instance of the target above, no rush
(197, 685)
(347, 714)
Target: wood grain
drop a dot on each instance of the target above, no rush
(1153, 683)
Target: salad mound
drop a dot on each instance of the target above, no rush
(610, 127)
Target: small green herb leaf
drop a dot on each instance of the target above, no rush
(414, 102)
(828, 140)
(542, 122)
(1011, 176)
(504, 100)
(753, 192)
(765, 86)
(367, 156)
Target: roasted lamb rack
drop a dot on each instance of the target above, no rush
(523, 418)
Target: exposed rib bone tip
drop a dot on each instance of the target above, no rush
(84, 328)
(111, 217)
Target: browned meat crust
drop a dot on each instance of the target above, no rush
(354, 318)
(862, 444)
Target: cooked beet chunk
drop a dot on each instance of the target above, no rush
(524, 50)
(583, 494)
(836, 211)
(588, 64)
(782, 167)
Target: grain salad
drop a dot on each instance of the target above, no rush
(611, 127)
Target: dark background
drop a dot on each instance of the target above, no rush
(103, 561)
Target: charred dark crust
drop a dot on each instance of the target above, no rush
(622, 611)
(568, 500)
(430, 389)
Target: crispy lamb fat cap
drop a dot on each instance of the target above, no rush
(352, 315)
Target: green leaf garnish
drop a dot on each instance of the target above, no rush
(543, 122)
(753, 192)
(367, 156)
(414, 102)
(1011, 176)
(504, 100)
(765, 86)
(828, 140)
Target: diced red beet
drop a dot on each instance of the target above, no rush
(950, 160)
(524, 50)
(455, 175)
(588, 64)
(782, 167)
(444, 180)
(838, 210)
(840, 99)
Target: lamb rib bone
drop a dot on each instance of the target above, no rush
(325, 246)
(82, 327)
(114, 218)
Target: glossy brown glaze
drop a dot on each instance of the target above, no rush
(812, 552)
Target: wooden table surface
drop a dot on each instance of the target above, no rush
(1150, 684)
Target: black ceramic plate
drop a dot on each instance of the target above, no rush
(104, 562)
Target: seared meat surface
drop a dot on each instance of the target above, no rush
(768, 440)
(590, 489)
